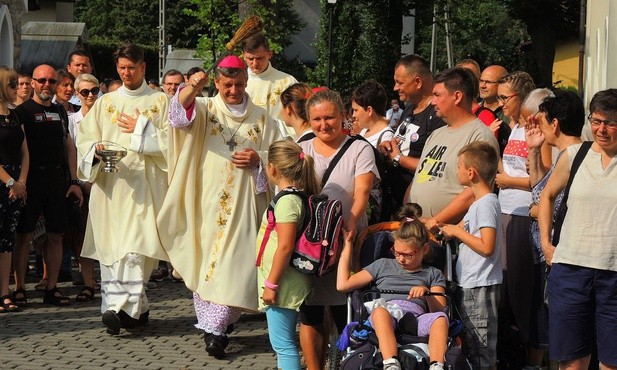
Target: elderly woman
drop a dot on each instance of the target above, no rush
(350, 182)
(87, 90)
(582, 284)
(14, 162)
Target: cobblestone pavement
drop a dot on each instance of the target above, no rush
(48, 337)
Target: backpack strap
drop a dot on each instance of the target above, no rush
(272, 220)
(335, 160)
(382, 134)
(306, 137)
(561, 214)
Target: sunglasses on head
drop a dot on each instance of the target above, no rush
(43, 81)
(86, 92)
(13, 84)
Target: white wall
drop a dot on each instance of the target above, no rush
(600, 47)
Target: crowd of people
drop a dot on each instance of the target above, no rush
(488, 158)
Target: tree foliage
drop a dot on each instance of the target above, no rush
(482, 30)
(366, 39)
(221, 18)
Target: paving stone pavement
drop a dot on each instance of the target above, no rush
(73, 337)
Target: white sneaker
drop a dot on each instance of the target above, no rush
(436, 366)
(391, 364)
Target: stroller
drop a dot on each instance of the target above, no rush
(359, 342)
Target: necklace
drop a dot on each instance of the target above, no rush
(232, 143)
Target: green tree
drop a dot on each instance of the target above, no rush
(220, 19)
(366, 39)
(482, 30)
(547, 21)
(137, 21)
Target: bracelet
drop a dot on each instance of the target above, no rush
(269, 285)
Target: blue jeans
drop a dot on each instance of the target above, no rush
(282, 333)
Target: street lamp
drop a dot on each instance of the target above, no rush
(330, 11)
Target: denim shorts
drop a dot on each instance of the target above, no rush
(582, 302)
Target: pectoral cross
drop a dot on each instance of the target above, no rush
(232, 144)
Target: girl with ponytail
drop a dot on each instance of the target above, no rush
(282, 288)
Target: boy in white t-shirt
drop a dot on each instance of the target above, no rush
(478, 268)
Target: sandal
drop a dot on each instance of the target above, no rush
(21, 301)
(41, 286)
(86, 294)
(8, 305)
(53, 296)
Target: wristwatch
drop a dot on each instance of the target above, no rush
(396, 161)
(10, 183)
(76, 182)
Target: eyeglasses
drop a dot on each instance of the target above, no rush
(488, 82)
(43, 81)
(86, 92)
(505, 98)
(13, 84)
(406, 256)
(609, 123)
(171, 84)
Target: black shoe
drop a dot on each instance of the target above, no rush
(128, 322)
(143, 318)
(216, 344)
(112, 321)
(230, 329)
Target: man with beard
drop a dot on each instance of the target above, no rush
(52, 165)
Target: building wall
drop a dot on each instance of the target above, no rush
(10, 31)
(565, 67)
(600, 47)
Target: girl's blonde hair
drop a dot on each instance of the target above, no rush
(6, 75)
(412, 232)
(291, 162)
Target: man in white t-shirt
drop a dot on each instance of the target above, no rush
(435, 185)
(394, 113)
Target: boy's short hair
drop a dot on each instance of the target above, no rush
(482, 157)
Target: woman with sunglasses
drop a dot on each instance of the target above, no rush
(14, 161)
(87, 90)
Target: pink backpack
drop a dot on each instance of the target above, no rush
(319, 245)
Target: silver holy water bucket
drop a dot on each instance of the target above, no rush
(111, 155)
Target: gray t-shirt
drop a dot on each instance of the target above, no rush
(388, 274)
(472, 269)
(436, 183)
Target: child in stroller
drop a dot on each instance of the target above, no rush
(399, 274)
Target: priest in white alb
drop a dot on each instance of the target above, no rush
(121, 232)
(266, 83)
(217, 195)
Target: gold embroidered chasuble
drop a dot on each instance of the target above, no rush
(211, 215)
